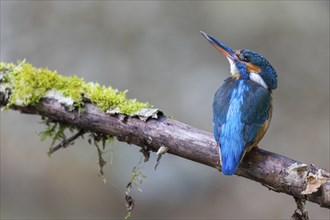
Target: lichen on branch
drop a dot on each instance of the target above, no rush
(28, 85)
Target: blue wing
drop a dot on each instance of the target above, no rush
(255, 113)
(220, 106)
(240, 109)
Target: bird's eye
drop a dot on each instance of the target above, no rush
(246, 59)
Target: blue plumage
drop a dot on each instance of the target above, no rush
(237, 118)
(242, 106)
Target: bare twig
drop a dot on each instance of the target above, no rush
(65, 143)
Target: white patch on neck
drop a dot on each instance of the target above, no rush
(253, 76)
(233, 68)
(257, 78)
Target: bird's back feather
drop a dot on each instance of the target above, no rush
(240, 110)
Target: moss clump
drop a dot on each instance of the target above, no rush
(108, 98)
(29, 84)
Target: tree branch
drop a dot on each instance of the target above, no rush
(276, 172)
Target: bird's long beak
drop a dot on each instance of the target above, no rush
(223, 48)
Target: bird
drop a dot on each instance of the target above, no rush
(242, 105)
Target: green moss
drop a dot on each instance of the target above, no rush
(71, 87)
(108, 98)
(55, 131)
(29, 84)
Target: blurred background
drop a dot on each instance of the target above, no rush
(155, 50)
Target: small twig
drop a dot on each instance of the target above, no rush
(102, 162)
(129, 203)
(146, 153)
(300, 213)
(65, 143)
(137, 178)
(129, 206)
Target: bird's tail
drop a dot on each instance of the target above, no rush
(231, 157)
(229, 165)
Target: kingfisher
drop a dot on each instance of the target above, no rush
(242, 106)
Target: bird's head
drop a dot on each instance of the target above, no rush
(249, 64)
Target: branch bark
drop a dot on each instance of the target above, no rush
(274, 171)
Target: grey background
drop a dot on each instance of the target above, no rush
(155, 50)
